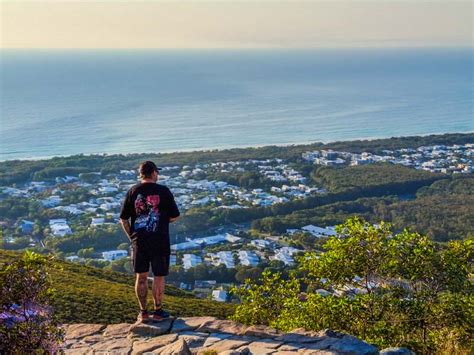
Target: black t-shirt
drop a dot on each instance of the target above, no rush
(150, 206)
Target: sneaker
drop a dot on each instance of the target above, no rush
(143, 315)
(160, 314)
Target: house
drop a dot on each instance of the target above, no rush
(72, 209)
(107, 189)
(260, 243)
(97, 221)
(318, 231)
(26, 226)
(222, 257)
(59, 227)
(191, 260)
(200, 242)
(285, 255)
(219, 295)
(51, 201)
(185, 286)
(172, 259)
(14, 192)
(248, 258)
(205, 283)
(114, 254)
(107, 206)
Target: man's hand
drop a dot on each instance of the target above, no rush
(126, 227)
(173, 219)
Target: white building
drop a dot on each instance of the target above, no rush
(219, 295)
(114, 254)
(59, 227)
(223, 257)
(285, 255)
(248, 258)
(191, 260)
(72, 209)
(200, 242)
(51, 201)
(318, 231)
(97, 221)
(260, 243)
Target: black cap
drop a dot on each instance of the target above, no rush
(147, 168)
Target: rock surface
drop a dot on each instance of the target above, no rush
(206, 336)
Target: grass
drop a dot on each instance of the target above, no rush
(86, 294)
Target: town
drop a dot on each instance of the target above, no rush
(436, 159)
(90, 203)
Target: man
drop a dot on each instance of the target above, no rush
(147, 210)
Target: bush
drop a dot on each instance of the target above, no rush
(390, 290)
(27, 322)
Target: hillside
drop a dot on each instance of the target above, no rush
(86, 294)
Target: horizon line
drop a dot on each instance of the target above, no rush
(460, 46)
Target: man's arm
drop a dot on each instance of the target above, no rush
(126, 227)
(173, 208)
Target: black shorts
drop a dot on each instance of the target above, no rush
(141, 259)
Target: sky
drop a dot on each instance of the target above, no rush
(74, 24)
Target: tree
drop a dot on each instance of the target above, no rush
(27, 321)
(123, 246)
(86, 252)
(390, 289)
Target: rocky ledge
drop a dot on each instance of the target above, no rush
(207, 336)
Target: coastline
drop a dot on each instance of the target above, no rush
(204, 150)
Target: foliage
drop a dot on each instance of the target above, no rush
(425, 214)
(98, 238)
(389, 289)
(457, 185)
(27, 321)
(264, 302)
(15, 171)
(441, 217)
(385, 178)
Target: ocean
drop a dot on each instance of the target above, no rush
(57, 102)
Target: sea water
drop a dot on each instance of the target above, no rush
(57, 102)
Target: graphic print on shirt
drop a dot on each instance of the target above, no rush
(148, 214)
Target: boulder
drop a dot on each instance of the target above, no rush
(189, 323)
(179, 347)
(350, 344)
(396, 351)
(117, 330)
(262, 331)
(297, 337)
(222, 326)
(78, 351)
(193, 339)
(150, 344)
(75, 331)
(152, 328)
(113, 344)
(228, 344)
(262, 346)
(214, 338)
(208, 335)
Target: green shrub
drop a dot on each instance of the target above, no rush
(390, 290)
(27, 322)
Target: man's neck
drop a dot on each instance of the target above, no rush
(147, 180)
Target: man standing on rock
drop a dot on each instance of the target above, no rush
(146, 212)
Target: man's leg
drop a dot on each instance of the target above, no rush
(141, 288)
(158, 291)
(160, 267)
